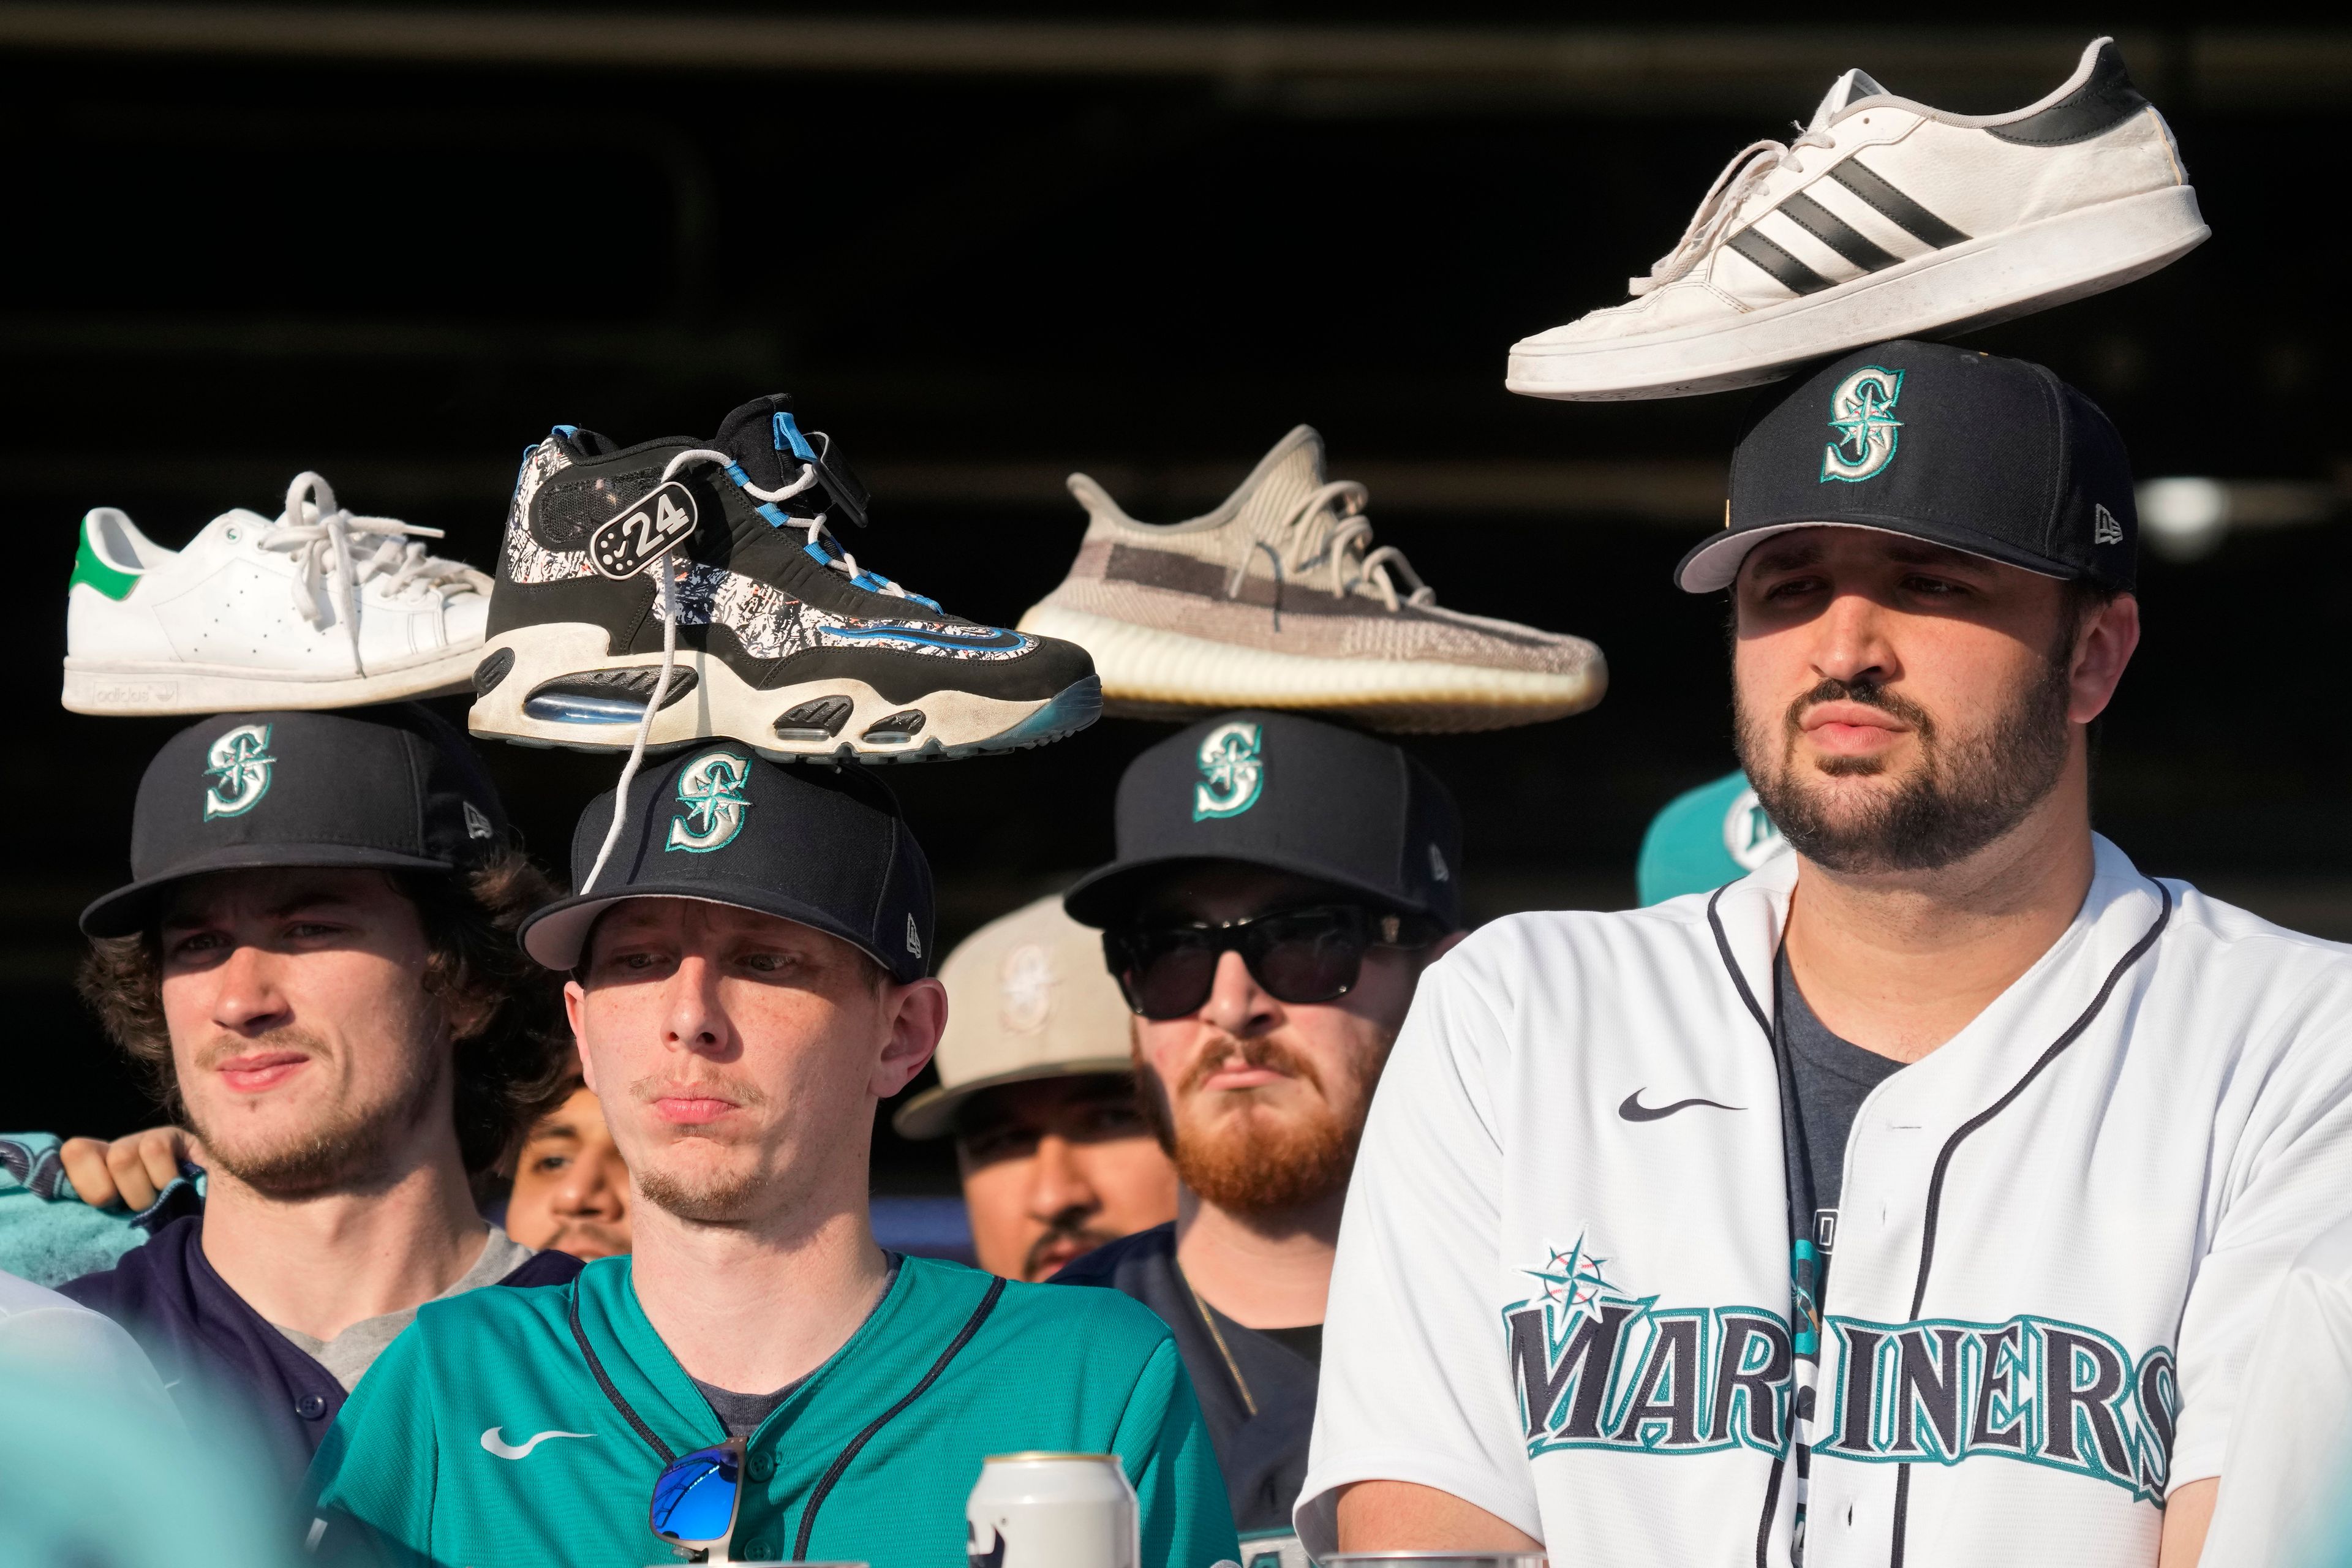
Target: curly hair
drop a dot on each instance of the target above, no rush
(510, 1072)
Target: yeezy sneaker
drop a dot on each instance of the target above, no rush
(1278, 599)
(1885, 218)
(315, 608)
(780, 639)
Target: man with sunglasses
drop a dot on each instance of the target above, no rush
(1280, 885)
(758, 1378)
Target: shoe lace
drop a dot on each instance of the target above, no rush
(336, 551)
(1329, 528)
(819, 542)
(1747, 169)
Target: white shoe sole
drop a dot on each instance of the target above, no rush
(1151, 673)
(131, 689)
(1972, 284)
(722, 704)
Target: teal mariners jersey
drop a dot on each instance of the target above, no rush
(485, 1436)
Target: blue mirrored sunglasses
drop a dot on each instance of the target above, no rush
(695, 1495)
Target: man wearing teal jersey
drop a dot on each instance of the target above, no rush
(747, 983)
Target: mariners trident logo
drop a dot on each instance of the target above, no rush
(241, 762)
(1861, 411)
(711, 789)
(1232, 771)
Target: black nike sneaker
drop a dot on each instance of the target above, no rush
(782, 641)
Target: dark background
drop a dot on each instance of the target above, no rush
(986, 248)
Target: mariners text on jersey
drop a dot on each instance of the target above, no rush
(1563, 1289)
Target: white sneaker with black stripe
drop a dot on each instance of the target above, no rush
(1885, 218)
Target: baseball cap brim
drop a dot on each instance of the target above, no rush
(555, 935)
(932, 1114)
(1713, 565)
(126, 911)
(1100, 898)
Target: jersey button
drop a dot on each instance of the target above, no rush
(310, 1407)
(761, 1466)
(758, 1551)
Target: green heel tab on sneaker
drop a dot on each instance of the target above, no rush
(93, 569)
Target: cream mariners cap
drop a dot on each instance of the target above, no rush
(1029, 996)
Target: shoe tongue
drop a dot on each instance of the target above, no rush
(1854, 85)
(765, 438)
(1288, 475)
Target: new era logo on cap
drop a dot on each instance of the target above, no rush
(2105, 529)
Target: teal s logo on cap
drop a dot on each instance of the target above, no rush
(1232, 770)
(711, 790)
(1862, 412)
(240, 760)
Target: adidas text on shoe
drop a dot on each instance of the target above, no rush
(315, 608)
(1885, 218)
(1277, 599)
(782, 641)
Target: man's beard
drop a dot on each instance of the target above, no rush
(1957, 799)
(716, 1193)
(349, 1145)
(1255, 1159)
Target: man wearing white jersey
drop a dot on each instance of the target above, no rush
(2062, 1126)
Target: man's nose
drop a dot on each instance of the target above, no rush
(1058, 1180)
(1851, 641)
(697, 1022)
(1237, 1004)
(245, 996)
(589, 1190)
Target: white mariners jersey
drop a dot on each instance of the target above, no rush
(1563, 1285)
(2286, 1487)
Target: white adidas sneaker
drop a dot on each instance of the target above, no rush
(1279, 599)
(315, 608)
(1885, 218)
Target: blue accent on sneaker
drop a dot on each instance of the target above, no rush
(998, 640)
(789, 439)
(567, 431)
(816, 552)
(772, 513)
(924, 599)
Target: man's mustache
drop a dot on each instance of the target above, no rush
(290, 1038)
(734, 1090)
(1863, 693)
(1263, 1051)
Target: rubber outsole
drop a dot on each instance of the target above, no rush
(163, 689)
(1975, 284)
(1148, 673)
(721, 706)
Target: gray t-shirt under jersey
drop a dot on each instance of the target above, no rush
(1832, 1077)
(352, 1352)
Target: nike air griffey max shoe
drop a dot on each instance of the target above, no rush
(314, 608)
(1885, 218)
(779, 638)
(1278, 599)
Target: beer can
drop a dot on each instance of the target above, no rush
(1052, 1511)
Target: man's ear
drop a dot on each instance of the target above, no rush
(2109, 635)
(917, 1015)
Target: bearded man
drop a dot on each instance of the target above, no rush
(1280, 886)
(315, 960)
(2062, 1126)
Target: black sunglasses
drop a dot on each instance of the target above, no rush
(1304, 955)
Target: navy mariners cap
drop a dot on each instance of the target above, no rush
(395, 788)
(1290, 794)
(825, 847)
(1994, 457)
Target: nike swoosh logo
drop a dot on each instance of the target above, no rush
(1634, 1110)
(496, 1444)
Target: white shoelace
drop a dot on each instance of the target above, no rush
(1330, 527)
(338, 551)
(665, 575)
(1747, 169)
